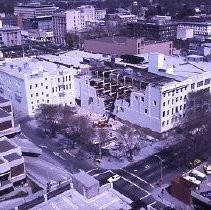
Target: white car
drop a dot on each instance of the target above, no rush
(114, 178)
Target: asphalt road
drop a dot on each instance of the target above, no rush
(69, 161)
(137, 180)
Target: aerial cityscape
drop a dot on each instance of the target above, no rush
(105, 104)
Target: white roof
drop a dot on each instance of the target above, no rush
(74, 57)
(21, 67)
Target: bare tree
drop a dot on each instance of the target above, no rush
(131, 140)
(79, 130)
(196, 126)
(48, 117)
(102, 135)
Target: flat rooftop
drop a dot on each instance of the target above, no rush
(3, 100)
(3, 113)
(13, 156)
(5, 145)
(85, 179)
(10, 28)
(74, 58)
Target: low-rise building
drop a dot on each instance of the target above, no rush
(125, 45)
(10, 36)
(12, 166)
(100, 14)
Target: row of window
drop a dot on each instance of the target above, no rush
(177, 109)
(174, 100)
(201, 83)
(65, 79)
(172, 93)
(173, 120)
(65, 87)
(37, 94)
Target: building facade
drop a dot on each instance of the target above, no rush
(152, 95)
(153, 30)
(34, 10)
(10, 36)
(125, 45)
(100, 14)
(29, 82)
(202, 29)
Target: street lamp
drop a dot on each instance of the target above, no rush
(161, 167)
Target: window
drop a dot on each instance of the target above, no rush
(38, 101)
(163, 123)
(172, 93)
(164, 113)
(47, 95)
(36, 94)
(145, 111)
(32, 102)
(47, 101)
(176, 110)
(180, 108)
(45, 78)
(154, 103)
(167, 112)
(180, 97)
(136, 97)
(36, 85)
(177, 99)
(66, 87)
(69, 78)
(30, 86)
(172, 101)
(184, 106)
(53, 90)
(142, 99)
(164, 95)
(168, 101)
(41, 84)
(32, 107)
(46, 87)
(42, 93)
(58, 79)
(207, 81)
(167, 122)
(199, 84)
(172, 111)
(31, 95)
(164, 103)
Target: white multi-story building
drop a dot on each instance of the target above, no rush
(73, 20)
(29, 82)
(48, 79)
(152, 95)
(100, 14)
(10, 36)
(202, 29)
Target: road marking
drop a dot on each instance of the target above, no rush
(65, 199)
(92, 170)
(135, 185)
(54, 206)
(69, 153)
(62, 157)
(138, 178)
(103, 173)
(145, 197)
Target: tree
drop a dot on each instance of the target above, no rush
(196, 126)
(131, 139)
(102, 135)
(48, 117)
(79, 130)
(72, 39)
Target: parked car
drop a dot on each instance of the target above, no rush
(207, 169)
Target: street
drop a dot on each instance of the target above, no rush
(136, 182)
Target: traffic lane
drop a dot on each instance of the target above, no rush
(129, 190)
(103, 177)
(70, 163)
(142, 183)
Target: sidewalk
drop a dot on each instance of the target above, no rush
(162, 195)
(114, 163)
